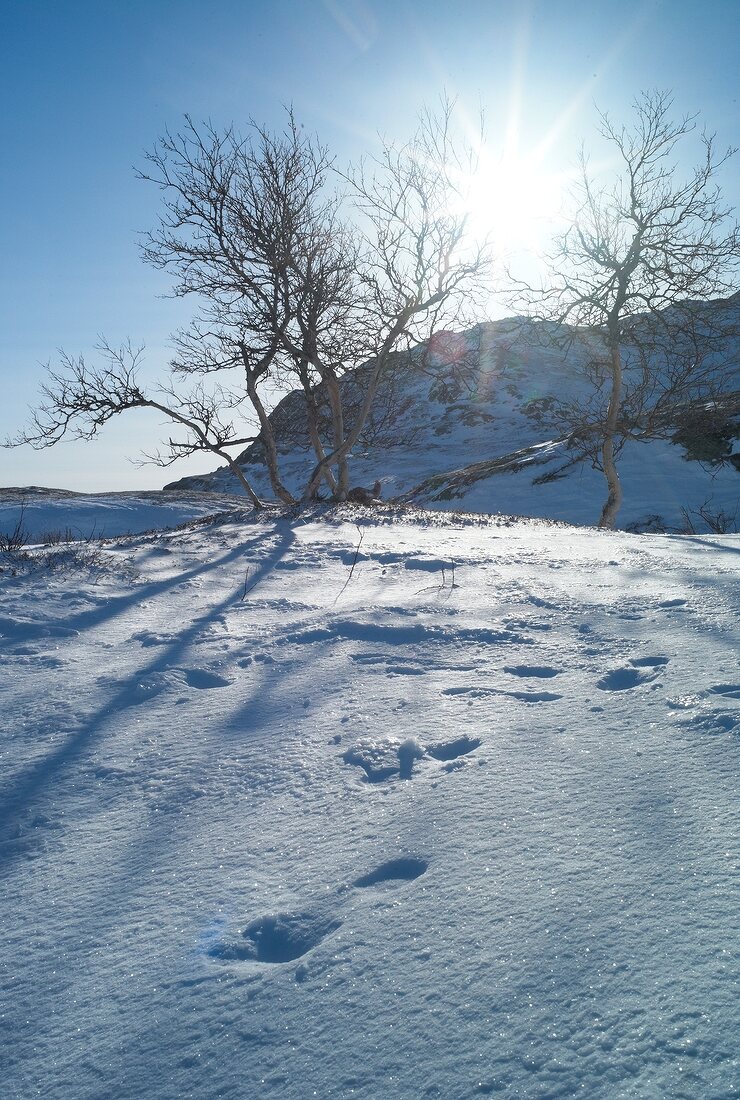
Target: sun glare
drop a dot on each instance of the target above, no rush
(511, 200)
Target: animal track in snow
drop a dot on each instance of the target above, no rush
(476, 692)
(405, 869)
(202, 678)
(277, 938)
(31, 654)
(396, 666)
(149, 638)
(415, 633)
(381, 760)
(153, 683)
(409, 666)
(713, 721)
(533, 696)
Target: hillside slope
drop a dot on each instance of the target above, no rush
(469, 425)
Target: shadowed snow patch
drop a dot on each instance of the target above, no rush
(621, 679)
(450, 750)
(405, 869)
(541, 671)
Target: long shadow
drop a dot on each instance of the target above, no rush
(152, 842)
(16, 796)
(706, 541)
(117, 605)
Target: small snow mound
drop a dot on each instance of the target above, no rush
(408, 751)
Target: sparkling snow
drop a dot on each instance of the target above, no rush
(285, 818)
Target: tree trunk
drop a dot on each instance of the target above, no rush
(340, 454)
(312, 416)
(268, 439)
(239, 475)
(381, 363)
(614, 498)
(337, 420)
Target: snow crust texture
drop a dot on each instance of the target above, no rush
(272, 830)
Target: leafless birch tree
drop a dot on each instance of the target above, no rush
(301, 274)
(635, 274)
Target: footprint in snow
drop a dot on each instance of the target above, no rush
(622, 679)
(398, 666)
(522, 696)
(729, 691)
(152, 684)
(276, 938)
(203, 679)
(405, 869)
(533, 696)
(542, 671)
(280, 938)
(713, 721)
(386, 760)
(451, 750)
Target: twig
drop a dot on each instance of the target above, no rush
(354, 563)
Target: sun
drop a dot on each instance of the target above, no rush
(510, 200)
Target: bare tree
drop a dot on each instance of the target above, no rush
(237, 214)
(633, 279)
(303, 276)
(79, 400)
(418, 267)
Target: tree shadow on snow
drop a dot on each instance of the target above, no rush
(18, 795)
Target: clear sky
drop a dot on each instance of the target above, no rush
(88, 85)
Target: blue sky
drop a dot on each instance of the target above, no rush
(88, 86)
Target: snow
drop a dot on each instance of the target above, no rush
(282, 819)
(463, 434)
(53, 512)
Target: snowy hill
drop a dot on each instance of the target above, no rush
(469, 426)
(370, 804)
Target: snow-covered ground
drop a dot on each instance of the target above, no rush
(59, 514)
(293, 808)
